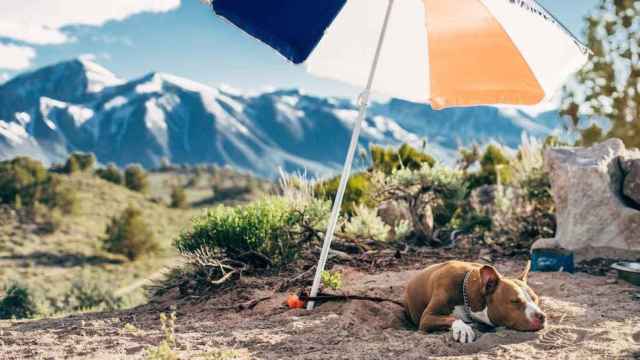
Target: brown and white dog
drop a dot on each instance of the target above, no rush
(453, 294)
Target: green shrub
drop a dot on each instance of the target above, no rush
(25, 183)
(136, 179)
(468, 157)
(178, 198)
(18, 303)
(332, 280)
(63, 198)
(388, 160)
(521, 212)
(495, 165)
(85, 295)
(433, 195)
(48, 220)
(402, 230)
(358, 191)
(537, 186)
(129, 235)
(17, 204)
(448, 189)
(264, 227)
(112, 174)
(78, 162)
(468, 220)
(22, 178)
(366, 224)
(71, 166)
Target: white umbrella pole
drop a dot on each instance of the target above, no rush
(363, 102)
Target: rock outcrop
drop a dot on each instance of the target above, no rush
(595, 192)
(631, 186)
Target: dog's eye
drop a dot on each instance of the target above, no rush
(515, 301)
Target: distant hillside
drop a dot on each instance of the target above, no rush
(79, 105)
(51, 262)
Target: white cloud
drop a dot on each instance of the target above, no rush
(15, 57)
(30, 33)
(42, 21)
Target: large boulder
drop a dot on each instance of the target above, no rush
(596, 218)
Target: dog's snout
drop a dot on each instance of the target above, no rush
(539, 320)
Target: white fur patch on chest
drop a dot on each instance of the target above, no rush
(480, 316)
(459, 313)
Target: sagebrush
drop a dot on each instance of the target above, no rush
(129, 235)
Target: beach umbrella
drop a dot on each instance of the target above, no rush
(443, 52)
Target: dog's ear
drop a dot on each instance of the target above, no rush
(524, 276)
(490, 279)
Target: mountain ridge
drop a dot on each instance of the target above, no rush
(79, 105)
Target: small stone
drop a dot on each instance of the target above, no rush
(392, 213)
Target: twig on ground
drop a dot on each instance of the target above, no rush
(224, 278)
(283, 285)
(244, 306)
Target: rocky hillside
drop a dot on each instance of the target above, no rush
(79, 105)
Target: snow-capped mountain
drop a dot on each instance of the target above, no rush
(81, 106)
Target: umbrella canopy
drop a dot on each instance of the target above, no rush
(446, 53)
(443, 52)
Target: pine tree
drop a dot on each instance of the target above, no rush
(609, 85)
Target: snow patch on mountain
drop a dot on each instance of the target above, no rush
(13, 132)
(98, 77)
(115, 102)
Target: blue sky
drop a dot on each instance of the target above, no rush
(182, 37)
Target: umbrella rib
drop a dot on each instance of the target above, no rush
(363, 102)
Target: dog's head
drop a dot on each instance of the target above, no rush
(511, 302)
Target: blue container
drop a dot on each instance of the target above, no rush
(544, 260)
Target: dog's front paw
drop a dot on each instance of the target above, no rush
(462, 332)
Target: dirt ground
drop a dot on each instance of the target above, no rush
(590, 317)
